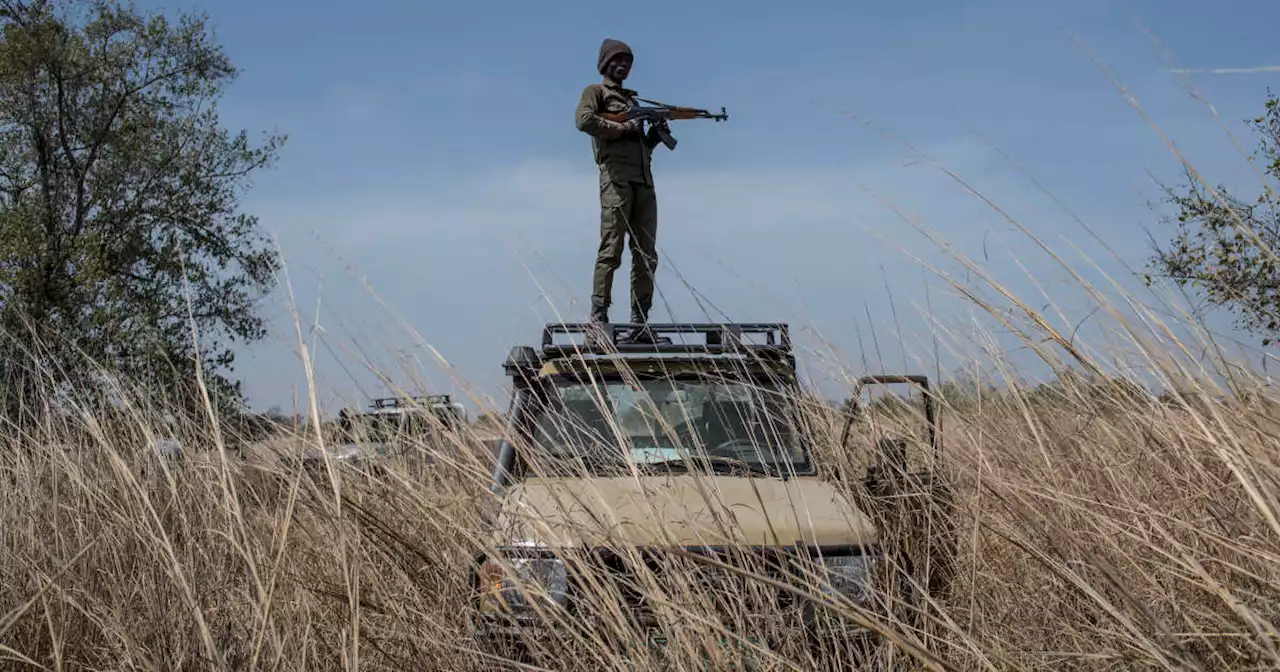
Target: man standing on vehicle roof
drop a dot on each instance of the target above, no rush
(628, 204)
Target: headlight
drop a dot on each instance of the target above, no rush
(849, 576)
(527, 583)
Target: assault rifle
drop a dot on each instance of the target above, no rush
(658, 114)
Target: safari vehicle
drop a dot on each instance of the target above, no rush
(629, 468)
(388, 430)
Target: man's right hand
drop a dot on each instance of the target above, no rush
(633, 126)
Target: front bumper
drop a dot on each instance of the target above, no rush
(785, 615)
(538, 643)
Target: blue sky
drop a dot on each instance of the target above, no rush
(432, 162)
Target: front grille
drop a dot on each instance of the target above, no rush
(653, 585)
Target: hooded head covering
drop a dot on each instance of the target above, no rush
(610, 48)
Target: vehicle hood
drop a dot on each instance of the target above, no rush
(679, 510)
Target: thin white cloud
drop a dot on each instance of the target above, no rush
(1225, 71)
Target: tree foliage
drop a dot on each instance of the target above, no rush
(121, 242)
(1228, 247)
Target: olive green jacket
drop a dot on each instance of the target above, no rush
(621, 156)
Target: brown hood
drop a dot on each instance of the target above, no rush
(682, 510)
(610, 48)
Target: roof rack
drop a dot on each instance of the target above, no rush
(398, 402)
(717, 339)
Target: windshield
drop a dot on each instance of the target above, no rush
(666, 423)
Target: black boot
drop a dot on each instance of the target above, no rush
(596, 335)
(642, 334)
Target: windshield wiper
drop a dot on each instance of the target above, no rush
(718, 464)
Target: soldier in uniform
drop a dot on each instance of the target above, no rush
(628, 205)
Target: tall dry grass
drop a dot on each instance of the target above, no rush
(1099, 528)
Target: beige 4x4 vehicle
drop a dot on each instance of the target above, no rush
(642, 491)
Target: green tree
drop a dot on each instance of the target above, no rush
(120, 236)
(1228, 247)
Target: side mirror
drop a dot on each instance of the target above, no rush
(853, 416)
(888, 452)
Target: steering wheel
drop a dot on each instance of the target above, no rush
(738, 448)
